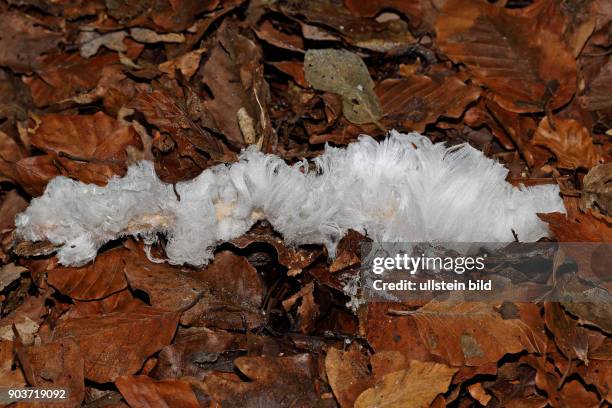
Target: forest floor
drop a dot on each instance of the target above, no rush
(91, 86)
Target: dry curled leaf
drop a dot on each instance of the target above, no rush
(344, 73)
(597, 189)
(415, 387)
(570, 142)
(348, 374)
(527, 70)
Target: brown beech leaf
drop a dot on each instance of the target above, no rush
(10, 376)
(171, 116)
(348, 374)
(141, 391)
(570, 142)
(235, 296)
(274, 381)
(471, 333)
(581, 228)
(418, 100)
(93, 281)
(97, 138)
(197, 351)
(499, 49)
(12, 204)
(58, 364)
(118, 343)
(234, 74)
(598, 93)
(415, 387)
(118, 302)
(63, 76)
(388, 333)
(34, 172)
(169, 287)
(187, 64)
(307, 311)
(26, 318)
(569, 337)
(411, 8)
(178, 15)
(294, 69)
(24, 40)
(272, 35)
(10, 154)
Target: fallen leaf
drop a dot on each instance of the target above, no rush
(580, 228)
(90, 42)
(63, 76)
(348, 374)
(273, 381)
(593, 311)
(473, 333)
(25, 40)
(415, 387)
(569, 337)
(597, 189)
(236, 293)
(10, 154)
(127, 339)
(9, 274)
(308, 310)
(96, 280)
(168, 287)
(597, 95)
(147, 36)
(143, 392)
(570, 142)
(234, 74)
(34, 172)
(272, 35)
(498, 47)
(411, 8)
(419, 100)
(344, 73)
(187, 64)
(197, 351)
(10, 376)
(11, 205)
(58, 364)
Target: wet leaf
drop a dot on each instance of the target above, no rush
(344, 73)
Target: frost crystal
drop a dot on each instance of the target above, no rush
(404, 188)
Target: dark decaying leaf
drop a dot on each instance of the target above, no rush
(143, 392)
(597, 189)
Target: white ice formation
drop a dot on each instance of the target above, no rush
(404, 188)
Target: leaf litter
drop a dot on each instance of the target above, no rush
(89, 87)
